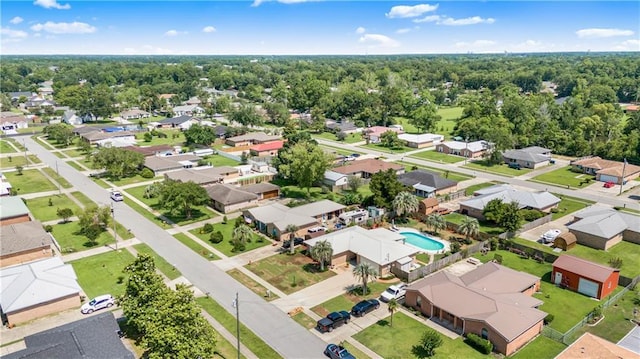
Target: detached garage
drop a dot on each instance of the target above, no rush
(591, 279)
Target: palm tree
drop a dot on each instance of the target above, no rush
(405, 203)
(241, 236)
(291, 229)
(436, 222)
(469, 227)
(364, 271)
(393, 307)
(322, 252)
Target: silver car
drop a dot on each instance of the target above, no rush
(97, 303)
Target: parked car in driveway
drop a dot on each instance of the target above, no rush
(97, 303)
(335, 351)
(609, 184)
(332, 321)
(296, 241)
(550, 235)
(365, 307)
(395, 291)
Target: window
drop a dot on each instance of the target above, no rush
(484, 333)
(419, 301)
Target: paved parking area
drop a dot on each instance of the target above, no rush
(536, 233)
(631, 341)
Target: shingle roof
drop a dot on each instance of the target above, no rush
(99, 135)
(254, 136)
(227, 194)
(201, 176)
(426, 178)
(333, 176)
(12, 207)
(537, 200)
(275, 145)
(175, 120)
(471, 146)
(584, 268)
(281, 216)
(370, 165)
(591, 346)
(536, 149)
(523, 155)
(37, 282)
(261, 187)
(150, 150)
(94, 337)
(20, 237)
(159, 163)
(604, 225)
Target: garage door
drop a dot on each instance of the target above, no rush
(588, 287)
(607, 178)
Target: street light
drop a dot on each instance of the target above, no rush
(236, 304)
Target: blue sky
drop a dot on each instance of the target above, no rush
(302, 27)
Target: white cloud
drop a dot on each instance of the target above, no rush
(209, 29)
(51, 4)
(595, 33)
(449, 21)
(64, 27)
(16, 20)
(403, 31)
(361, 30)
(176, 32)
(404, 11)
(259, 2)
(378, 40)
(628, 45)
(9, 35)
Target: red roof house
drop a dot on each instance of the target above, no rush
(582, 276)
(266, 149)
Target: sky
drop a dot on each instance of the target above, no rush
(317, 27)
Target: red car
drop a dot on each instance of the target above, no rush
(609, 184)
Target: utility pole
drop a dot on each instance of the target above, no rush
(113, 216)
(624, 165)
(236, 304)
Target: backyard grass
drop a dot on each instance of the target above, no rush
(540, 347)
(247, 337)
(195, 246)
(250, 283)
(501, 169)
(351, 138)
(306, 321)
(349, 298)
(63, 182)
(227, 232)
(569, 205)
(169, 140)
(289, 273)
(30, 181)
(41, 210)
(99, 274)
(436, 156)
(161, 264)
(381, 148)
(485, 227)
(5, 147)
(291, 190)
(70, 240)
(469, 191)
(397, 341)
(454, 176)
(83, 199)
(198, 213)
(217, 161)
(563, 177)
(423, 257)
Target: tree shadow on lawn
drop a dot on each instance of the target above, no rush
(196, 215)
(382, 323)
(313, 268)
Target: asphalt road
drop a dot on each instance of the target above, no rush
(284, 335)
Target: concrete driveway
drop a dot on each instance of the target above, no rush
(536, 233)
(631, 341)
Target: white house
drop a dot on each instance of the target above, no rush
(422, 140)
(188, 110)
(335, 180)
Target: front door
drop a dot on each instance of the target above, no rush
(558, 278)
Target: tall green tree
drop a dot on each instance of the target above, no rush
(322, 252)
(291, 229)
(469, 227)
(405, 203)
(242, 235)
(246, 115)
(390, 139)
(306, 164)
(93, 221)
(118, 162)
(512, 217)
(181, 197)
(385, 186)
(392, 306)
(60, 132)
(365, 272)
(436, 222)
(200, 135)
(428, 344)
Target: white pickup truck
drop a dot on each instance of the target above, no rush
(395, 291)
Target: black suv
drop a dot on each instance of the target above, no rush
(332, 321)
(364, 307)
(296, 242)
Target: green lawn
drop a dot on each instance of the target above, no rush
(76, 166)
(250, 283)
(381, 148)
(436, 156)
(397, 341)
(69, 238)
(63, 182)
(501, 169)
(101, 183)
(99, 274)
(289, 273)
(569, 205)
(227, 231)
(349, 299)
(41, 210)
(195, 246)
(31, 181)
(454, 176)
(247, 337)
(476, 187)
(218, 161)
(143, 211)
(10, 162)
(59, 154)
(540, 347)
(199, 213)
(73, 153)
(564, 177)
(291, 190)
(5, 147)
(448, 115)
(83, 199)
(485, 227)
(132, 180)
(353, 350)
(123, 233)
(351, 138)
(169, 140)
(16, 144)
(162, 265)
(306, 321)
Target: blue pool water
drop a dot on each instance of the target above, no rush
(421, 241)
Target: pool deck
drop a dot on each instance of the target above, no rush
(446, 244)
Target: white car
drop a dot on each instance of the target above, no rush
(550, 235)
(97, 303)
(396, 291)
(117, 196)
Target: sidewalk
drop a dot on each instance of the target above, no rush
(104, 249)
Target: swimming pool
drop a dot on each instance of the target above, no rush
(421, 241)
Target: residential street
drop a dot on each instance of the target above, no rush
(269, 322)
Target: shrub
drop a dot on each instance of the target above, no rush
(531, 214)
(467, 241)
(548, 319)
(224, 219)
(493, 243)
(216, 237)
(455, 247)
(482, 345)
(207, 228)
(48, 228)
(162, 135)
(615, 262)
(146, 173)
(555, 210)
(147, 137)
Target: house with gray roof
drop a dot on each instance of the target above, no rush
(530, 157)
(427, 184)
(162, 164)
(335, 180)
(182, 122)
(93, 337)
(603, 227)
(37, 289)
(102, 138)
(273, 219)
(491, 301)
(24, 242)
(13, 210)
(542, 201)
(227, 198)
(188, 110)
(252, 138)
(205, 175)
